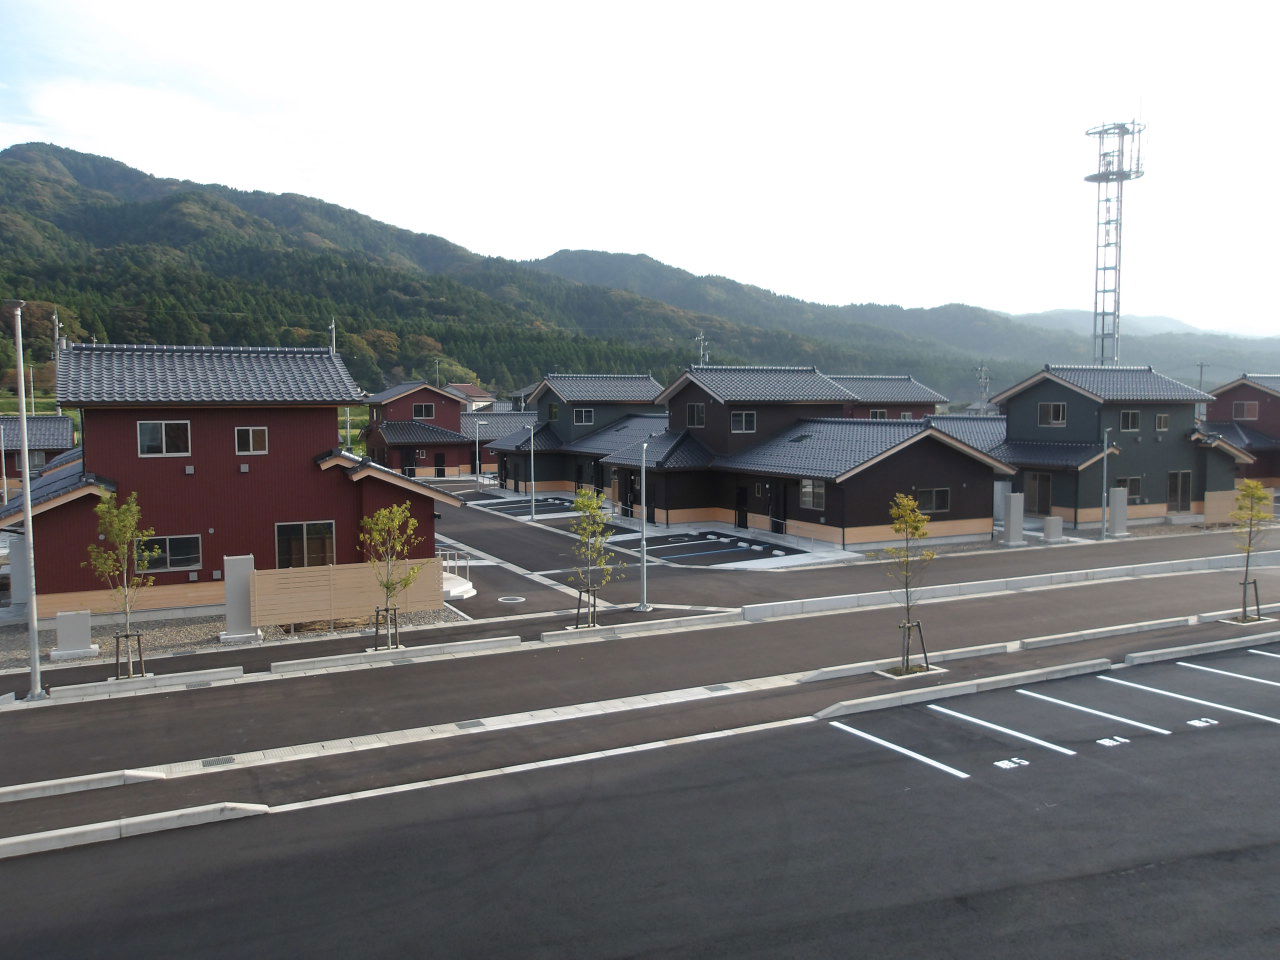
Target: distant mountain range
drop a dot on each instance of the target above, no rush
(125, 256)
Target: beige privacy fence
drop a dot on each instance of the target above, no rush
(349, 590)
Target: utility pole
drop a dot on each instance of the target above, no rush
(644, 607)
(28, 529)
(1202, 364)
(437, 371)
(57, 341)
(704, 351)
(333, 336)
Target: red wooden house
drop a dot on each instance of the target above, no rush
(48, 436)
(415, 428)
(231, 450)
(1246, 413)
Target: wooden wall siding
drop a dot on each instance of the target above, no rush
(1218, 505)
(926, 464)
(154, 598)
(335, 593)
(771, 418)
(1268, 408)
(448, 408)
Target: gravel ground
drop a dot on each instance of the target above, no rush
(185, 636)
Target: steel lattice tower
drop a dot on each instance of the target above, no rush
(1119, 160)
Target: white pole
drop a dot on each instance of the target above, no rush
(28, 531)
(4, 469)
(1106, 434)
(478, 425)
(644, 532)
(532, 488)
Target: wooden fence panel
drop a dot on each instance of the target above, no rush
(303, 594)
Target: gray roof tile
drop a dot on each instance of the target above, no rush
(603, 388)
(1115, 383)
(106, 373)
(823, 448)
(497, 424)
(1237, 434)
(398, 432)
(46, 488)
(887, 389)
(544, 438)
(621, 433)
(669, 450)
(981, 433)
(767, 384)
(43, 432)
(1050, 455)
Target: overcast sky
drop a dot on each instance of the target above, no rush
(910, 153)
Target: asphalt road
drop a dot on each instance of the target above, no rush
(194, 724)
(809, 841)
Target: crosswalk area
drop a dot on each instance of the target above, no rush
(1152, 710)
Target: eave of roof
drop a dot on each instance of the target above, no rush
(361, 468)
(1258, 380)
(403, 390)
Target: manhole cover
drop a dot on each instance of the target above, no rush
(511, 599)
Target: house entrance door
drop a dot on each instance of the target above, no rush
(777, 507)
(740, 509)
(439, 464)
(1179, 491)
(1039, 494)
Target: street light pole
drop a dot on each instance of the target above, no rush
(28, 531)
(644, 532)
(479, 424)
(532, 487)
(1106, 446)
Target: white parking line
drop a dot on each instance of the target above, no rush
(1265, 653)
(1098, 713)
(903, 750)
(1203, 703)
(1228, 673)
(1013, 733)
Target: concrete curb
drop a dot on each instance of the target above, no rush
(1195, 649)
(1116, 631)
(400, 653)
(871, 666)
(787, 608)
(640, 628)
(146, 683)
(942, 692)
(127, 827)
(90, 781)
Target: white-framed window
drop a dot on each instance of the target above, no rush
(1130, 420)
(695, 415)
(743, 421)
(307, 544)
(1244, 410)
(937, 500)
(1162, 421)
(904, 416)
(879, 414)
(251, 441)
(1133, 485)
(164, 438)
(175, 553)
(583, 416)
(813, 494)
(1052, 415)
(37, 460)
(424, 411)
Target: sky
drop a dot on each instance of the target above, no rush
(915, 153)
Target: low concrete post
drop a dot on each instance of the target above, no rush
(1002, 490)
(1053, 530)
(18, 579)
(74, 637)
(1118, 512)
(237, 578)
(1013, 521)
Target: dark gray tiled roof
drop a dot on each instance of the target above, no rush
(1065, 456)
(106, 373)
(1127, 383)
(981, 433)
(43, 432)
(767, 384)
(396, 432)
(399, 390)
(545, 440)
(824, 448)
(669, 450)
(621, 433)
(877, 389)
(1267, 381)
(497, 424)
(1246, 438)
(74, 455)
(603, 388)
(46, 488)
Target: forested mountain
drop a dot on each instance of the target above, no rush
(128, 257)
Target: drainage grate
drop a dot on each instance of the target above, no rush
(199, 683)
(469, 724)
(217, 761)
(716, 687)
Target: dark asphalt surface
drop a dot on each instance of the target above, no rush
(193, 724)
(802, 842)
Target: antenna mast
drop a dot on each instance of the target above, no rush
(704, 348)
(1119, 160)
